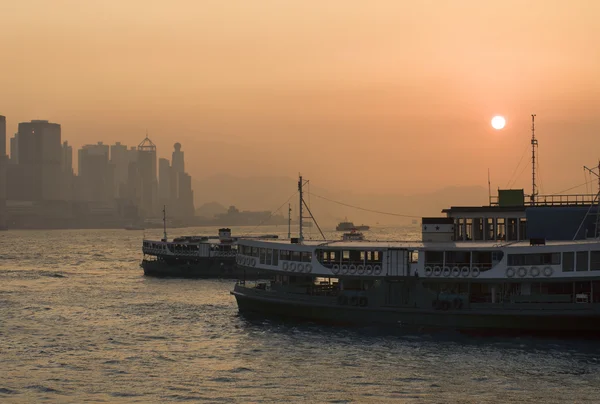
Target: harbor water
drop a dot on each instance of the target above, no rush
(79, 322)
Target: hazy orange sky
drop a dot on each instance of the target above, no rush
(380, 96)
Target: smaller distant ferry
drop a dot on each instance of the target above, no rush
(197, 257)
(349, 226)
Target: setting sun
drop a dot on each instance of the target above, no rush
(498, 122)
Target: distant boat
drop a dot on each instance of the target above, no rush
(348, 226)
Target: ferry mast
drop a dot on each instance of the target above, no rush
(534, 144)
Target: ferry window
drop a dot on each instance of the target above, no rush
(332, 255)
(594, 260)
(414, 257)
(284, 255)
(295, 256)
(369, 256)
(501, 229)
(534, 259)
(275, 257)
(255, 251)
(434, 257)
(345, 255)
(490, 234)
(362, 255)
(306, 256)
(375, 255)
(269, 256)
(262, 255)
(523, 229)
(325, 256)
(582, 261)
(568, 264)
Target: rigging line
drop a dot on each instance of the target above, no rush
(364, 209)
(273, 212)
(569, 189)
(518, 165)
(525, 167)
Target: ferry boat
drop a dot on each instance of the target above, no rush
(196, 257)
(347, 226)
(522, 265)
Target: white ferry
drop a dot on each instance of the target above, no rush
(520, 265)
(195, 257)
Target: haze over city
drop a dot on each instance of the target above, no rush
(392, 97)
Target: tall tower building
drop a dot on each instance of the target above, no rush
(177, 159)
(146, 165)
(3, 162)
(164, 182)
(14, 149)
(40, 156)
(119, 158)
(95, 173)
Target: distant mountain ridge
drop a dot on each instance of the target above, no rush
(271, 193)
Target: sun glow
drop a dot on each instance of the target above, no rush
(498, 122)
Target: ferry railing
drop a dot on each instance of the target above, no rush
(555, 200)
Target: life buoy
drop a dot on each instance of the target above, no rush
(360, 269)
(464, 271)
(475, 272)
(335, 268)
(437, 271)
(352, 269)
(456, 272)
(300, 267)
(522, 272)
(286, 265)
(428, 271)
(369, 269)
(446, 272)
(376, 269)
(535, 272)
(344, 269)
(548, 271)
(293, 266)
(510, 272)
(308, 268)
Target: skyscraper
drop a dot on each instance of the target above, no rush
(164, 182)
(186, 196)
(3, 162)
(177, 159)
(146, 166)
(40, 156)
(119, 158)
(67, 171)
(95, 173)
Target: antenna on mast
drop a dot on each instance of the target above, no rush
(534, 144)
(289, 220)
(165, 223)
(489, 188)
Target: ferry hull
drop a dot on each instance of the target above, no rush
(583, 323)
(207, 268)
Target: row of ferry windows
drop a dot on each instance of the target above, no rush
(349, 255)
(571, 261)
(489, 228)
(269, 256)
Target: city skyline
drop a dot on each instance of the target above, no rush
(110, 185)
(346, 93)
